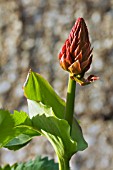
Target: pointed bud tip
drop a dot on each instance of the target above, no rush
(80, 19)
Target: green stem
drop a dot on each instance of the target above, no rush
(63, 164)
(70, 101)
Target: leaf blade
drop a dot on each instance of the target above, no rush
(76, 132)
(43, 92)
(58, 132)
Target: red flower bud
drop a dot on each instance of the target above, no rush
(76, 53)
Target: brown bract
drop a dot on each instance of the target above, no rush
(76, 53)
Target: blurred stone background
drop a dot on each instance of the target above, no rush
(31, 35)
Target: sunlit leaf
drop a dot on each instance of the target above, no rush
(38, 89)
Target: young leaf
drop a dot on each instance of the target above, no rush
(38, 89)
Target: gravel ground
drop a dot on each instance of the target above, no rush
(31, 35)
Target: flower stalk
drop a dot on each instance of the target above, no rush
(70, 101)
(75, 57)
(69, 111)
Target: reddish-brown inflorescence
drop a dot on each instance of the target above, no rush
(76, 53)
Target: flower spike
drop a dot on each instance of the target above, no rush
(76, 53)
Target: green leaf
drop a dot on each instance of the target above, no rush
(58, 133)
(55, 129)
(20, 118)
(41, 164)
(7, 167)
(18, 142)
(77, 135)
(6, 127)
(37, 164)
(38, 89)
(36, 108)
(13, 125)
